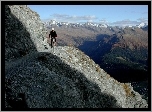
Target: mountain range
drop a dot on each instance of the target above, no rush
(117, 50)
(128, 46)
(81, 24)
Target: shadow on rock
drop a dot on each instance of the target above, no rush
(65, 86)
(18, 42)
(43, 80)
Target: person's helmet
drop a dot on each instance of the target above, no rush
(52, 28)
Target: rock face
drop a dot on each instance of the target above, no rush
(36, 77)
(23, 32)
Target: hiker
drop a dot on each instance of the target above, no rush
(53, 35)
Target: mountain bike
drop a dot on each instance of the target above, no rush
(53, 43)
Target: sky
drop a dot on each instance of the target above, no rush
(104, 14)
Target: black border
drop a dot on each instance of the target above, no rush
(76, 2)
(3, 3)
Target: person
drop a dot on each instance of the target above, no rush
(53, 34)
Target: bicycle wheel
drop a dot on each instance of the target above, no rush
(53, 42)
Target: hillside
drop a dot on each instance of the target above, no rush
(126, 51)
(121, 52)
(114, 49)
(36, 77)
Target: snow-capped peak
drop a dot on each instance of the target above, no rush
(141, 25)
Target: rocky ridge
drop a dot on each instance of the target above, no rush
(24, 31)
(67, 77)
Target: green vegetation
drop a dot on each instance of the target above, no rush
(136, 58)
(127, 63)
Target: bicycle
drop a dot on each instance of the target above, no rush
(53, 43)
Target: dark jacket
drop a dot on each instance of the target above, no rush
(53, 34)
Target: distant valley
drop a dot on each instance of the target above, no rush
(117, 50)
(121, 52)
